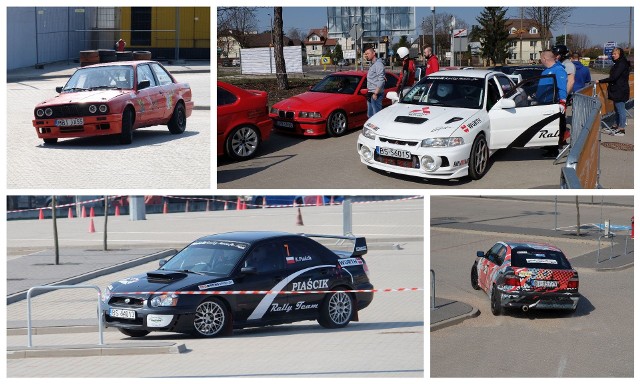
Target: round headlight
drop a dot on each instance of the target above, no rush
(40, 112)
(103, 108)
(93, 108)
(48, 112)
(366, 153)
(428, 163)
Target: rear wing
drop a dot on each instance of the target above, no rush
(352, 245)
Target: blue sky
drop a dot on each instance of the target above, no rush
(600, 24)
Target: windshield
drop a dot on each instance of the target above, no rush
(108, 77)
(537, 258)
(457, 92)
(217, 257)
(337, 84)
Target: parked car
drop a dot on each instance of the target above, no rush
(333, 106)
(278, 200)
(450, 123)
(114, 99)
(601, 63)
(525, 275)
(297, 277)
(243, 121)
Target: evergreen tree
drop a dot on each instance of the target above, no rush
(493, 34)
(337, 54)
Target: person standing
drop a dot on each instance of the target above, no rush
(120, 44)
(430, 61)
(562, 56)
(408, 74)
(375, 82)
(546, 92)
(583, 75)
(618, 90)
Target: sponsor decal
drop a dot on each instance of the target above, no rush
(225, 243)
(286, 307)
(524, 273)
(129, 280)
(542, 261)
(436, 129)
(310, 285)
(465, 128)
(419, 112)
(290, 260)
(205, 287)
(349, 262)
(544, 134)
(460, 162)
(293, 260)
(475, 122)
(362, 248)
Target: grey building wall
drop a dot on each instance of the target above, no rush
(41, 35)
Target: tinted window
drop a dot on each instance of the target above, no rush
(457, 92)
(535, 258)
(391, 81)
(266, 258)
(161, 74)
(208, 256)
(144, 73)
(337, 84)
(225, 97)
(300, 254)
(505, 83)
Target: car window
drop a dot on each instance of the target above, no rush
(299, 254)
(225, 97)
(457, 92)
(217, 257)
(337, 84)
(505, 83)
(526, 257)
(493, 94)
(391, 81)
(161, 74)
(266, 258)
(144, 73)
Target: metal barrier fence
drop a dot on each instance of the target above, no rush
(582, 168)
(50, 288)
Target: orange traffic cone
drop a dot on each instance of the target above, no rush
(41, 215)
(165, 209)
(117, 213)
(299, 218)
(70, 215)
(84, 211)
(92, 213)
(238, 205)
(92, 228)
(319, 201)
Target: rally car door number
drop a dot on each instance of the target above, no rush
(391, 152)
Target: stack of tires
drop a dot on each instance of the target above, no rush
(124, 56)
(141, 55)
(89, 58)
(107, 55)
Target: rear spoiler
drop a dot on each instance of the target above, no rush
(359, 242)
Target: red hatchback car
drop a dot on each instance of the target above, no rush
(243, 121)
(333, 106)
(114, 99)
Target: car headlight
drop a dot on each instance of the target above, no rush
(40, 113)
(442, 142)
(274, 110)
(106, 294)
(310, 115)
(168, 300)
(48, 112)
(103, 108)
(369, 133)
(93, 108)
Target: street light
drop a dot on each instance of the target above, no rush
(453, 25)
(433, 31)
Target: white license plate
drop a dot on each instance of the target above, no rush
(545, 284)
(122, 313)
(285, 124)
(69, 122)
(391, 152)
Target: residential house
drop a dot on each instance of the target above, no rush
(229, 44)
(525, 43)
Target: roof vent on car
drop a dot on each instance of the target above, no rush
(410, 120)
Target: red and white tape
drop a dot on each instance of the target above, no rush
(268, 292)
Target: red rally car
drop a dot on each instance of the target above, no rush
(333, 106)
(114, 99)
(524, 276)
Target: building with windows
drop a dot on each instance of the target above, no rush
(525, 43)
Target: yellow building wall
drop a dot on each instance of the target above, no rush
(195, 27)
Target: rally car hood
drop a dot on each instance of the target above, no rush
(98, 96)
(161, 280)
(310, 100)
(409, 121)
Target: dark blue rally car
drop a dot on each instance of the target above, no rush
(205, 289)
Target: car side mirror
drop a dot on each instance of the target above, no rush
(162, 263)
(144, 84)
(393, 96)
(364, 91)
(479, 254)
(59, 89)
(506, 104)
(249, 270)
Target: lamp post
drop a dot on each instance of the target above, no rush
(433, 31)
(453, 25)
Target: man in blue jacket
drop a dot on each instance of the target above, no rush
(583, 75)
(547, 93)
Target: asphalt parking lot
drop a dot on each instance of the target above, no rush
(595, 341)
(388, 341)
(155, 159)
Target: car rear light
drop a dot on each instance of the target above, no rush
(513, 281)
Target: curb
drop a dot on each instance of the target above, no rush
(15, 297)
(475, 312)
(83, 350)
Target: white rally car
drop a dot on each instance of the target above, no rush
(450, 123)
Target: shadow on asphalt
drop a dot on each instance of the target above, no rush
(584, 309)
(251, 167)
(141, 138)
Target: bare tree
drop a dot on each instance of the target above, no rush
(547, 18)
(294, 34)
(281, 70)
(236, 22)
(580, 42)
(443, 31)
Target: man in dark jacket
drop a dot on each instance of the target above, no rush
(618, 81)
(583, 75)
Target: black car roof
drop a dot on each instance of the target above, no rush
(247, 236)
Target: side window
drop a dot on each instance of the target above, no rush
(500, 255)
(161, 74)
(225, 97)
(390, 82)
(299, 254)
(505, 84)
(144, 73)
(493, 94)
(266, 258)
(494, 252)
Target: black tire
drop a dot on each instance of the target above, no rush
(134, 332)
(212, 319)
(479, 157)
(126, 135)
(474, 277)
(242, 143)
(496, 307)
(337, 124)
(178, 122)
(336, 310)
(50, 141)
